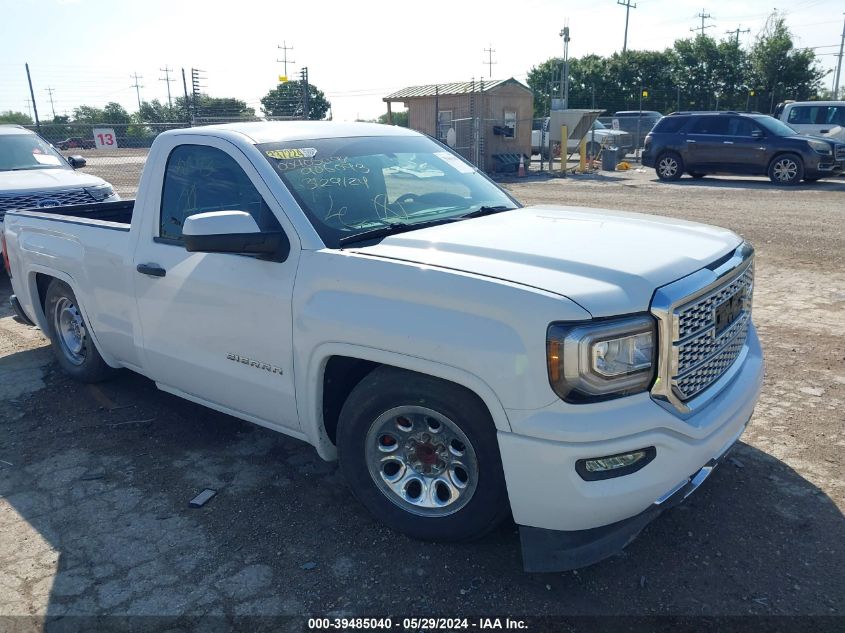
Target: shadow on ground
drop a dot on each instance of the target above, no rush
(96, 483)
(832, 184)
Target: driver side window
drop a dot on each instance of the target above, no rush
(199, 178)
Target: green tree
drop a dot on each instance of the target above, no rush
(19, 118)
(399, 118)
(156, 112)
(285, 101)
(778, 69)
(210, 108)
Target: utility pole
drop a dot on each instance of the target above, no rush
(137, 87)
(32, 96)
(52, 105)
(490, 61)
(564, 72)
(628, 6)
(736, 32)
(187, 101)
(166, 70)
(839, 65)
(285, 48)
(195, 89)
(306, 107)
(703, 16)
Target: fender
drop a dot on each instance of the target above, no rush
(37, 310)
(309, 387)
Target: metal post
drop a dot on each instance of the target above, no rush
(679, 98)
(639, 121)
(564, 33)
(32, 95)
(839, 65)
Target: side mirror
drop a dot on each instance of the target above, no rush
(76, 161)
(233, 232)
(757, 134)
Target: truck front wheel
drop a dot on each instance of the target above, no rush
(70, 336)
(421, 454)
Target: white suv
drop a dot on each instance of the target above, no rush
(815, 117)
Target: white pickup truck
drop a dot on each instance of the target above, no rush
(364, 289)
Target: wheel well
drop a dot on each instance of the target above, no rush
(42, 282)
(341, 376)
(786, 152)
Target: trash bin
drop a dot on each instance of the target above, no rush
(609, 158)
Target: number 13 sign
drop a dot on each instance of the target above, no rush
(104, 138)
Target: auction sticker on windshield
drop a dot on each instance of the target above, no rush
(287, 154)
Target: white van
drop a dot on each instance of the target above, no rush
(814, 117)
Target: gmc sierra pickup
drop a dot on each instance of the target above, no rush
(364, 289)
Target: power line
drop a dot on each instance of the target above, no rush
(285, 48)
(166, 70)
(490, 61)
(137, 87)
(52, 105)
(703, 16)
(628, 6)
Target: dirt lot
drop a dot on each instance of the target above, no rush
(95, 481)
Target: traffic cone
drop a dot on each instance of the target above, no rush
(521, 172)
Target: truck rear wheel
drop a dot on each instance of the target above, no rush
(71, 341)
(421, 454)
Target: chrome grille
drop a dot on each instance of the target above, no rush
(701, 355)
(44, 199)
(704, 320)
(840, 152)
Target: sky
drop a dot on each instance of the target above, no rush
(86, 51)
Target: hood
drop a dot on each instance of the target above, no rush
(609, 262)
(31, 180)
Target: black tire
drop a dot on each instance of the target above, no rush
(786, 169)
(697, 175)
(387, 390)
(83, 363)
(669, 166)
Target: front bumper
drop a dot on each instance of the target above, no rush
(547, 493)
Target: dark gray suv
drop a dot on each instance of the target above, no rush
(701, 143)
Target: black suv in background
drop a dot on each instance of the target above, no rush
(701, 143)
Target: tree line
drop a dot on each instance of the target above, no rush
(699, 73)
(283, 101)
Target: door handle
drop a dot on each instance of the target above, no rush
(689, 140)
(728, 142)
(153, 270)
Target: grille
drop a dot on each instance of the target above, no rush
(701, 354)
(44, 199)
(840, 152)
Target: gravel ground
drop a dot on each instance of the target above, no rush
(95, 480)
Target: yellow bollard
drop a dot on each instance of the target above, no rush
(564, 151)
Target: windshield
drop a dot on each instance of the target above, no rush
(352, 185)
(778, 128)
(598, 125)
(28, 151)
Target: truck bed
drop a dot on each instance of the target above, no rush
(119, 212)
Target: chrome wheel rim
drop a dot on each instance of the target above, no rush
(668, 167)
(421, 461)
(70, 330)
(785, 170)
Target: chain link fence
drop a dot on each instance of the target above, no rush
(116, 151)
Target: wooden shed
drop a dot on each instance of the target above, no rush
(488, 117)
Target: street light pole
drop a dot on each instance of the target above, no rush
(564, 33)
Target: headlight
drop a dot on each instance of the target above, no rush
(100, 192)
(820, 147)
(601, 360)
